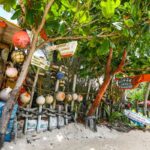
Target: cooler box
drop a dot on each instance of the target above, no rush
(11, 122)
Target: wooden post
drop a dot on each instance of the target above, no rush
(39, 119)
(146, 98)
(31, 100)
(73, 90)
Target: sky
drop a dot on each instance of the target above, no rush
(6, 15)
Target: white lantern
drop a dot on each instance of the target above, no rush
(69, 97)
(11, 72)
(60, 96)
(74, 96)
(25, 98)
(40, 100)
(4, 94)
(49, 99)
(80, 98)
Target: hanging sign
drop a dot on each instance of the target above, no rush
(125, 83)
(66, 49)
(132, 82)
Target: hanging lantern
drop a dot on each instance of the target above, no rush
(11, 72)
(21, 39)
(60, 96)
(40, 100)
(80, 98)
(69, 97)
(4, 94)
(74, 96)
(25, 98)
(49, 99)
(17, 56)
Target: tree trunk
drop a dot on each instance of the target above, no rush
(7, 110)
(107, 80)
(146, 98)
(99, 96)
(11, 101)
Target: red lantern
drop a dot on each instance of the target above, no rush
(21, 39)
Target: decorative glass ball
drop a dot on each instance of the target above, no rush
(21, 39)
(17, 56)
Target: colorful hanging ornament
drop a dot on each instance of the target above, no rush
(74, 96)
(21, 39)
(40, 100)
(60, 75)
(25, 98)
(4, 54)
(49, 99)
(60, 96)
(4, 94)
(11, 72)
(69, 97)
(80, 98)
(3, 24)
(17, 56)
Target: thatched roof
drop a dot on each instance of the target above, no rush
(7, 33)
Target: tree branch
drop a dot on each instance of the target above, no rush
(22, 6)
(119, 69)
(76, 38)
(44, 15)
(108, 65)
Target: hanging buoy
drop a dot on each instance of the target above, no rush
(3, 24)
(69, 97)
(74, 96)
(60, 75)
(21, 39)
(11, 72)
(60, 96)
(49, 99)
(25, 98)
(17, 56)
(40, 100)
(4, 94)
(80, 98)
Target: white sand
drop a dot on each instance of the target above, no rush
(77, 137)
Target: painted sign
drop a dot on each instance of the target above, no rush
(65, 49)
(137, 117)
(132, 82)
(40, 62)
(125, 83)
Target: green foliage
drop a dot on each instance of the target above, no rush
(137, 94)
(108, 7)
(8, 4)
(94, 18)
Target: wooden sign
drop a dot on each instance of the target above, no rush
(66, 49)
(125, 83)
(137, 117)
(40, 62)
(133, 81)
